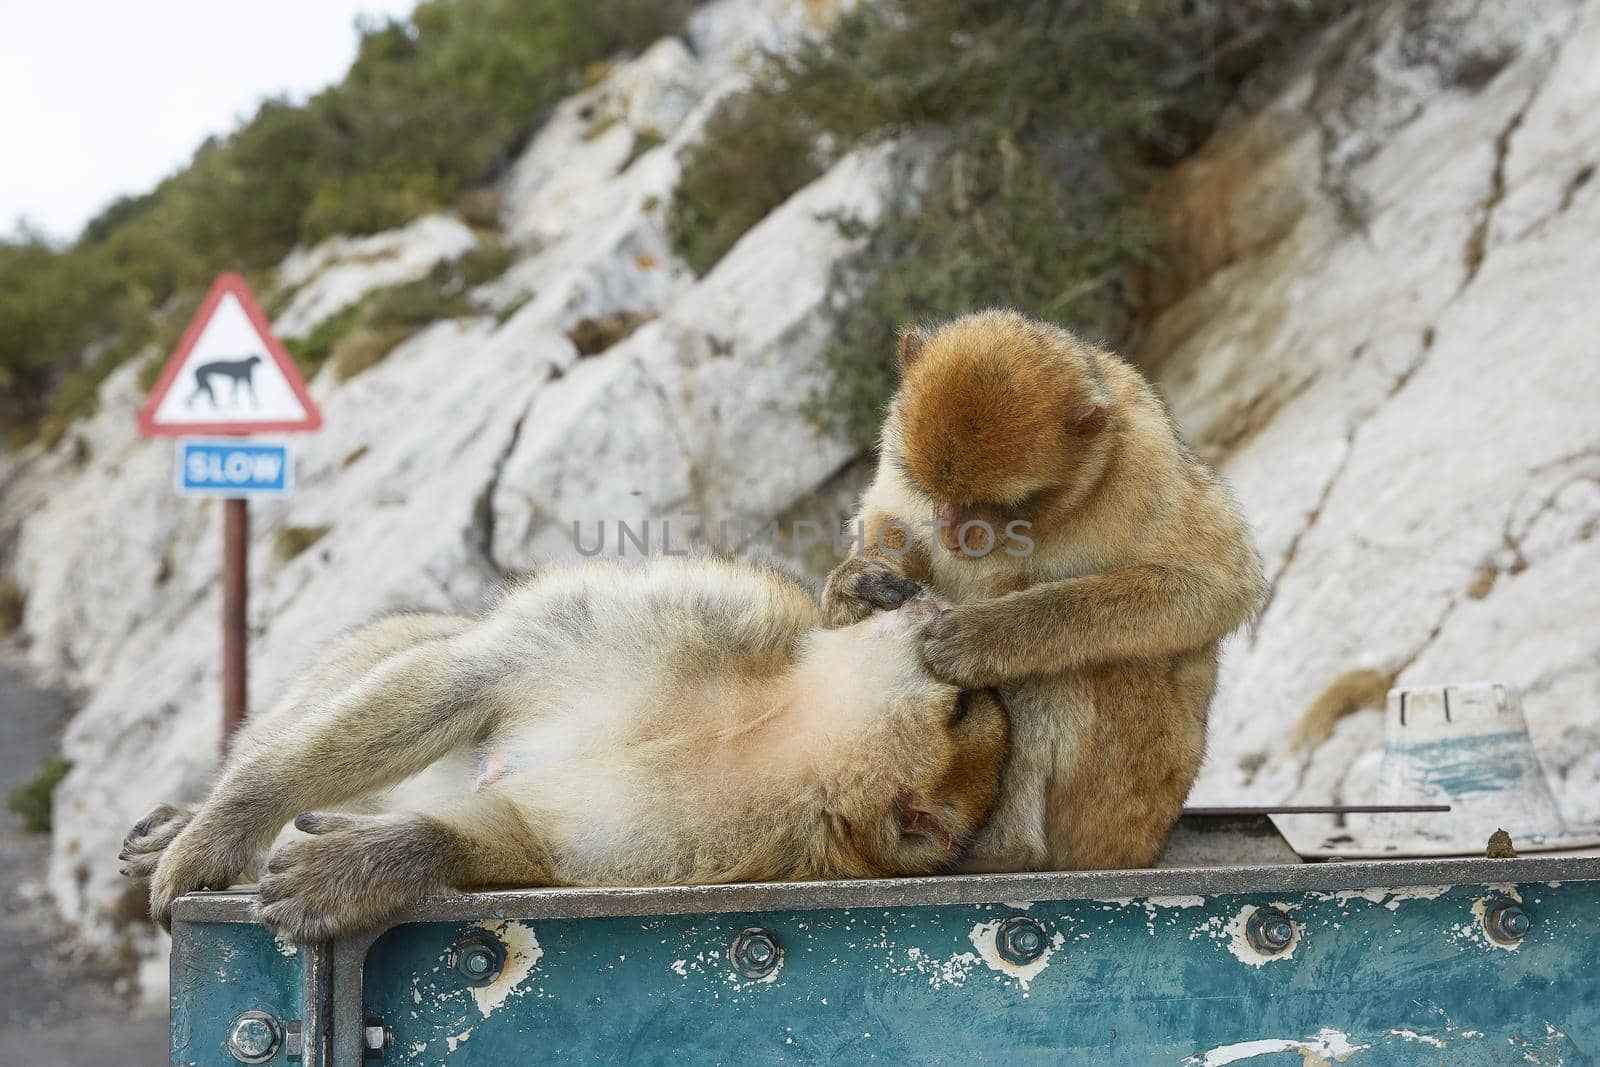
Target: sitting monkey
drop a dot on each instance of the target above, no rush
(685, 722)
(1095, 562)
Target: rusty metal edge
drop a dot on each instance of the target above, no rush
(316, 1002)
(584, 903)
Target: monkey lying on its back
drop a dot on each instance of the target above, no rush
(687, 722)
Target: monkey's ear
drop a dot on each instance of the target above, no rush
(919, 818)
(1086, 420)
(912, 339)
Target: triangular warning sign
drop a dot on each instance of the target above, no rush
(228, 374)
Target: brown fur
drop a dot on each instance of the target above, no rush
(1104, 638)
(686, 722)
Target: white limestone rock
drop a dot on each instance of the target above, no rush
(700, 411)
(1404, 397)
(338, 272)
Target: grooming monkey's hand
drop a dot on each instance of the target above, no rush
(206, 854)
(959, 648)
(861, 585)
(148, 840)
(355, 872)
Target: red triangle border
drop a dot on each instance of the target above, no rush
(226, 283)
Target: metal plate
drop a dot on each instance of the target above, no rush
(1370, 978)
(1149, 968)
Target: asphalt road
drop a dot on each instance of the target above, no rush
(57, 1007)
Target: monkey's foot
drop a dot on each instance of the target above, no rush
(354, 872)
(211, 852)
(860, 586)
(149, 838)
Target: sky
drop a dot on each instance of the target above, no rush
(104, 97)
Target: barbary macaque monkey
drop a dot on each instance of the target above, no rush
(690, 721)
(1095, 562)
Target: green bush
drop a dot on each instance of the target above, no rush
(12, 601)
(1053, 118)
(33, 801)
(312, 351)
(289, 541)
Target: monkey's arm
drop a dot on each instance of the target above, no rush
(388, 725)
(1136, 612)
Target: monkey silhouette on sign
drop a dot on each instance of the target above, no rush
(240, 370)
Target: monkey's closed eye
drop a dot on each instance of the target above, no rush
(963, 705)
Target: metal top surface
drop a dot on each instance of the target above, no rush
(580, 903)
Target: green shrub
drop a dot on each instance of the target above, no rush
(365, 348)
(755, 153)
(1053, 118)
(33, 802)
(289, 541)
(485, 262)
(11, 604)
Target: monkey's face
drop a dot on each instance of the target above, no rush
(994, 420)
(914, 766)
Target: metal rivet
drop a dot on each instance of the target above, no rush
(1507, 923)
(478, 958)
(755, 952)
(375, 1037)
(253, 1037)
(1021, 939)
(1269, 931)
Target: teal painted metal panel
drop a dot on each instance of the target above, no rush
(1369, 977)
(1375, 978)
(219, 972)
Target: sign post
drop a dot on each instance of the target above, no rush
(230, 375)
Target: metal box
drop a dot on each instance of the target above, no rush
(1464, 961)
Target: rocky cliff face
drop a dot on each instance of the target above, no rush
(1374, 320)
(1384, 337)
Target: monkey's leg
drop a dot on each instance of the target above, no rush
(339, 666)
(345, 660)
(401, 716)
(356, 872)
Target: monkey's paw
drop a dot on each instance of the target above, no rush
(353, 873)
(861, 585)
(959, 649)
(206, 854)
(149, 838)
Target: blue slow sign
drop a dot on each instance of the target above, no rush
(233, 468)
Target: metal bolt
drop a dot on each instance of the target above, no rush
(478, 958)
(1269, 930)
(253, 1037)
(755, 952)
(375, 1037)
(294, 1041)
(1507, 923)
(1021, 939)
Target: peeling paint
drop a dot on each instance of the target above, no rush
(983, 939)
(1239, 944)
(285, 946)
(1475, 931)
(1324, 1047)
(1389, 897)
(1412, 1035)
(522, 953)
